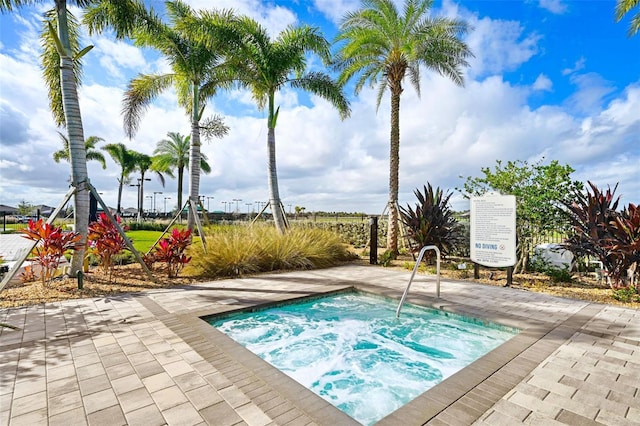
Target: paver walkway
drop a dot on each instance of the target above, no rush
(148, 359)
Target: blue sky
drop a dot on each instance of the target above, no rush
(551, 79)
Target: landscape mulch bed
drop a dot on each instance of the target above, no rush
(125, 279)
(131, 278)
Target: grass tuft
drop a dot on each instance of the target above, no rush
(235, 251)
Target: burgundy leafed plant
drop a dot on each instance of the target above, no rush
(600, 231)
(431, 221)
(623, 244)
(171, 251)
(105, 242)
(52, 244)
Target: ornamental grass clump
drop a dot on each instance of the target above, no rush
(236, 250)
(51, 245)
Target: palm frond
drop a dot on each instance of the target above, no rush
(382, 88)
(124, 17)
(622, 8)
(172, 153)
(50, 60)
(322, 85)
(213, 127)
(379, 41)
(141, 91)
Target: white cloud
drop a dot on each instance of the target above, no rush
(591, 92)
(336, 9)
(543, 83)
(498, 45)
(554, 6)
(116, 55)
(275, 18)
(578, 66)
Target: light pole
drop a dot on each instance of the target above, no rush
(139, 185)
(138, 197)
(165, 204)
(225, 205)
(248, 206)
(208, 200)
(154, 200)
(237, 200)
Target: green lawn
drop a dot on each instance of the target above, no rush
(143, 240)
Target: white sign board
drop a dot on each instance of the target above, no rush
(493, 230)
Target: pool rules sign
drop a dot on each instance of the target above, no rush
(493, 230)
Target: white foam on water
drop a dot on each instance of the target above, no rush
(350, 349)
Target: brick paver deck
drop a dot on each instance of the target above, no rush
(149, 359)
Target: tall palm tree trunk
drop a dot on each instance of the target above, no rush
(120, 185)
(394, 166)
(194, 167)
(180, 176)
(274, 193)
(77, 152)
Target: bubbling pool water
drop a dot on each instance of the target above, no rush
(352, 351)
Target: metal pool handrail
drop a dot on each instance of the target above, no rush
(415, 269)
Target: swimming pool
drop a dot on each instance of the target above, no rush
(351, 350)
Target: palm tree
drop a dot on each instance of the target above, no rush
(198, 71)
(173, 154)
(89, 145)
(144, 163)
(265, 66)
(622, 8)
(126, 159)
(62, 69)
(382, 46)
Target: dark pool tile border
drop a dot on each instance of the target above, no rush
(472, 391)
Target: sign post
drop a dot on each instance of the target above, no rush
(493, 230)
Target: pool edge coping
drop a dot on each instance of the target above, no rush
(467, 394)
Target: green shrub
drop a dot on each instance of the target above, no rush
(386, 257)
(558, 275)
(355, 233)
(626, 295)
(235, 250)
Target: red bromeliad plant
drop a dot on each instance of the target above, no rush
(171, 251)
(105, 242)
(51, 245)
